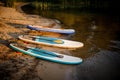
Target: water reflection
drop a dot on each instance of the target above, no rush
(90, 38)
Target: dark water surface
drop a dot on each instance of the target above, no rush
(101, 52)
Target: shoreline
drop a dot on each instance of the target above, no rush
(13, 23)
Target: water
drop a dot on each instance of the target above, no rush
(100, 34)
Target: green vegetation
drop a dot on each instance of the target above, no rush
(70, 4)
(65, 4)
(9, 3)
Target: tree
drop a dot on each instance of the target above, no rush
(9, 3)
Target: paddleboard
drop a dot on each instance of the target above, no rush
(41, 28)
(46, 55)
(51, 41)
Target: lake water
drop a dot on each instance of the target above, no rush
(98, 31)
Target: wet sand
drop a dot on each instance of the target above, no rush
(104, 65)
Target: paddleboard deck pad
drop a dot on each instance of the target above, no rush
(50, 41)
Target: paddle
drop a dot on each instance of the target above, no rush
(50, 53)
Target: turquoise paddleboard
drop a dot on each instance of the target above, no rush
(46, 55)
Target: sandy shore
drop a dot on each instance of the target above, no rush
(14, 65)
